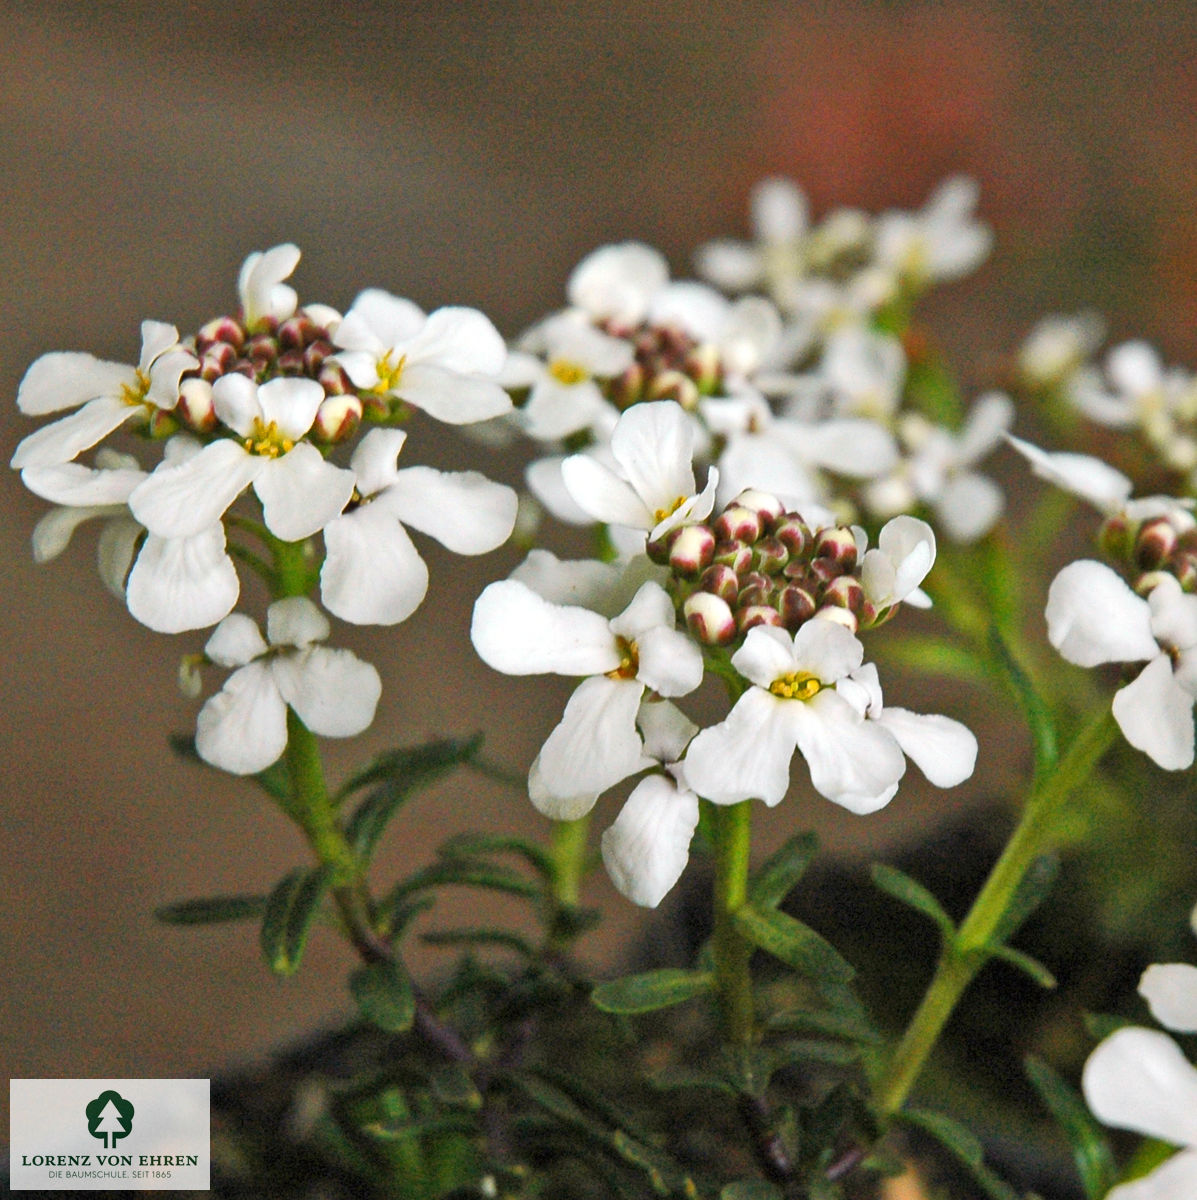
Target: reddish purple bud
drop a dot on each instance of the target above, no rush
(756, 614)
(838, 544)
(628, 388)
(290, 362)
(296, 332)
(735, 555)
(709, 619)
(793, 533)
(1114, 537)
(845, 591)
(315, 355)
(262, 348)
(844, 616)
(770, 555)
(334, 381)
(1155, 543)
(796, 605)
(1184, 567)
(770, 508)
(337, 417)
(162, 424)
(720, 581)
(195, 407)
(673, 385)
(691, 550)
(739, 524)
(222, 330)
(702, 365)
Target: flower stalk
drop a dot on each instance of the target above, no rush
(963, 956)
(732, 825)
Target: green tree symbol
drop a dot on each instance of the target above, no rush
(109, 1116)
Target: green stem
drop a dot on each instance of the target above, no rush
(568, 848)
(966, 954)
(732, 825)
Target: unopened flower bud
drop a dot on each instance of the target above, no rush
(262, 347)
(217, 360)
(162, 424)
(627, 388)
(673, 385)
(753, 615)
(195, 408)
(222, 330)
(737, 523)
(837, 544)
(793, 533)
(692, 549)
(333, 380)
(315, 354)
(796, 606)
(337, 417)
(1146, 582)
(764, 503)
(296, 332)
(735, 555)
(1114, 537)
(190, 683)
(843, 616)
(720, 581)
(702, 365)
(709, 619)
(770, 555)
(1154, 543)
(845, 591)
(290, 362)
(1184, 567)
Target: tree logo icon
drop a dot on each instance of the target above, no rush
(109, 1117)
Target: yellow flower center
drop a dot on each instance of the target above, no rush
(564, 371)
(137, 394)
(801, 685)
(389, 372)
(267, 441)
(629, 660)
(662, 513)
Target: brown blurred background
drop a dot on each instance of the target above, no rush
(469, 158)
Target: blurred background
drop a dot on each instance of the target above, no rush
(463, 154)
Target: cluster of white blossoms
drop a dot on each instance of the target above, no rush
(1095, 617)
(1139, 1079)
(254, 417)
(801, 389)
(770, 597)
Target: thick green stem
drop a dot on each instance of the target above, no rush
(568, 848)
(733, 827)
(1036, 834)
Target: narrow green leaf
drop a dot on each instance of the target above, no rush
(288, 915)
(471, 845)
(1032, 890)
(420, 1127)
(796, 944)
(399, 774)
(849, 1025)
(466, 873)
(937, 656)
(274, 781)
(1094, 1160)
(1025, 963)
(780, 872)
(650, 991)
(480, 937)
(211, 910)
(751, 1189)
(1034, 710)
(384, 995)
(962, 1144)
(451, 1084)
(910, 892)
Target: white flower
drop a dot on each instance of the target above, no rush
(559, 360)
(941, 242)
(445, 363)
(1103, 486)
(595, 745)
(372, 574)
(299, 491)
(794, 704)
(260, 285)
(1139, 1079)
(617, 283)
(653, 447)
(110, 394)
(864, 373)
(1057, 346)
(1094, 618)
(647, 847)
(891, 572)
(938, 470)
(243, 728)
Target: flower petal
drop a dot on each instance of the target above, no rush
(114, 552)
(654, 447)
(61, 440)
(235, 402)
(372, 574)
(517, 632)
(459, 340)
(67, 379)
(602, 495)
(670, 662)
(183, 583)
(301, 492)
(333, 691)
(1094, 618)
(747, 755)
(295, 621)
(1170, 990)
(53, 532)
(647, 847)
(181, 499)
(451, 396)
(617, 282)
(237, 640)
(767, 654)
(1081, 474)
(291, 404)
(243, 728)
(76, 485)
(968, 506)
(666, 729)
(463, 510)
(375, 459)
(1139, 1079)
(944, 750)
(596, 743)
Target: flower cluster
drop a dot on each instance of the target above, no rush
(253, 414)
(805, 391)
(769, 598)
